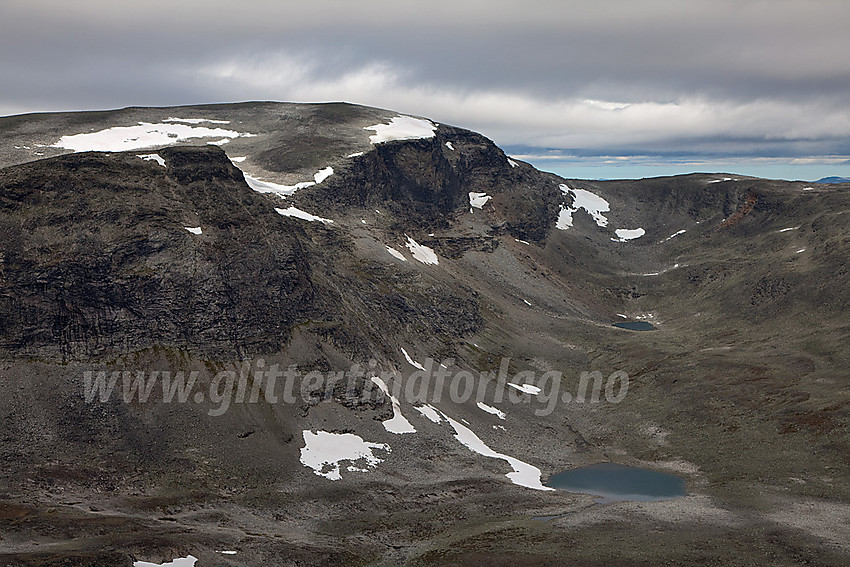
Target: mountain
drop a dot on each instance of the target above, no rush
(834, 180)
(309, 315)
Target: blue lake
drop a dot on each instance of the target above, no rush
(612, 482)
(635, 325)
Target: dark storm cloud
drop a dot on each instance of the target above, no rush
(740, 78)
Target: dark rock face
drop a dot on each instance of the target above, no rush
(425, 183)
(97, 260)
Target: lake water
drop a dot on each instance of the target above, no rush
(612, 482)
(635, 325)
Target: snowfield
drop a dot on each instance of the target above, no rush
(324, 452)
(402, 128)
(626, 234)
(143, 135)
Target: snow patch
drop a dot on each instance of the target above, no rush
(396, 253)
(450, 146)
(430, 412)
(524, 474)
(525, 388)
(527, 302)
(398, 423)
(490, 409)
(299, 214)
(153, 157)
(674, 235)
(187, 561)
(411, 361)
(239, 159)
(626, 234)
(721, 180)
(801, 250)
(323, 452)
(790, 228)
(355, 154)
(323, 174)
(593, 204)
(522, 241)
(143, 135)
(565, 218)
(196, 120)
(194, 229)
(422, 253)
(402, 128)
(512, 163)
(478, 200)
(282, 191)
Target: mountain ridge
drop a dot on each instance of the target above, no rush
(115, 262)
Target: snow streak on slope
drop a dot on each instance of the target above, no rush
(525, 388)
(490, 409)
(398, 423)
(674, 235)
(396, 253)
(411, 361)
(429, 411)
(299, 214)
(524, 474)
(323, 452)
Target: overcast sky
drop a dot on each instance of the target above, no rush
(614, 88)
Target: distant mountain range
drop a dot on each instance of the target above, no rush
(834, 180)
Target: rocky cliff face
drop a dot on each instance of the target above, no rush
(98, 259)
